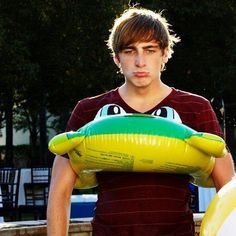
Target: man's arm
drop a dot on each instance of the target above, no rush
(61, 186)
(223, 171)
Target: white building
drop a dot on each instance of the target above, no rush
(19, 137)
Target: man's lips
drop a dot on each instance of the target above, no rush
(140, 74)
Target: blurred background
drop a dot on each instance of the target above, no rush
(53, 53)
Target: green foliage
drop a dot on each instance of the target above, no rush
(51, 57)
(84, 52)
(54, 53)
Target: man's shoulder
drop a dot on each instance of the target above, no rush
(97, 99)
(185, 96)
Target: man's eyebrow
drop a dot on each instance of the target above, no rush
(128, 47)
(145, 47)
(150, 46)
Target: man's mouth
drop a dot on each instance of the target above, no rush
(141, 74)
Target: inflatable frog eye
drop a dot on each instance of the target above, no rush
(167, 112)
(110, 109)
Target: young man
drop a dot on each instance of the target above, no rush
(137, 204)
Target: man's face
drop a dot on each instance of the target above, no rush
(141, 63)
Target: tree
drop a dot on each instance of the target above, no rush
(54, 53)
(55, 68)
(14, 64)
(86, 67)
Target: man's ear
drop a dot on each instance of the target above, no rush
(116, 60)
(165, 55)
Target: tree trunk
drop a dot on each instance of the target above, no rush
(33, 144)
(9, 129)
(43, 134)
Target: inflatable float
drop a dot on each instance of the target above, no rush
(140, 143)
(220, 216)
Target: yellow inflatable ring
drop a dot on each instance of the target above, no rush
(220, 216)
(140, 143)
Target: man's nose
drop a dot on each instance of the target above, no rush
(140, 60)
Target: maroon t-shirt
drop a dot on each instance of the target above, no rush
(137, 204)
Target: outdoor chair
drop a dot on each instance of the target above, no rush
(36, 193)
(41, 175)
(9, 190)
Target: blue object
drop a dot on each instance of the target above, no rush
(82, 205)
(82, 209)
(194, 200)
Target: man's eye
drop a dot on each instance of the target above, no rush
(150, 51)
(128, 51)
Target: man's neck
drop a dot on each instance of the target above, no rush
(144, 99)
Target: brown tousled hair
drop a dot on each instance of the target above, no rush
(141, 25)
